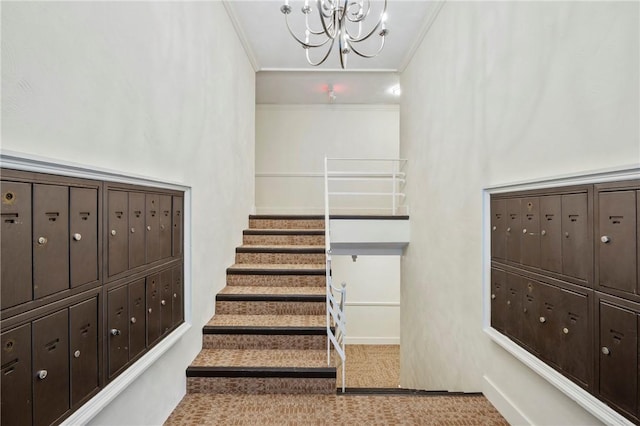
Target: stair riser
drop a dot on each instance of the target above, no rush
(305, 240)
(277, 280)
(270, 308)
(257, 341)
(285, 224)
(253, 385)
(286, 258)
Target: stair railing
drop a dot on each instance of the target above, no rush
(335, 307)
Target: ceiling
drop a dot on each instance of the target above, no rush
(283, 74)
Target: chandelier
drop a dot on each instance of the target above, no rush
(341, 21)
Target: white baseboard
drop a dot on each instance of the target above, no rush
(372, 340)
(503, 404)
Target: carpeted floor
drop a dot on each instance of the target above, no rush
(229, 409)
(367, 367)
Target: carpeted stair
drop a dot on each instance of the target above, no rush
(269, 331)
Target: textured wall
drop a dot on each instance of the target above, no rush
(160, 89)
(501, 92)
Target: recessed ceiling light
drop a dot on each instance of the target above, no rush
(395, 90)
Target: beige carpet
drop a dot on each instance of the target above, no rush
(239, 409)
(372, 366)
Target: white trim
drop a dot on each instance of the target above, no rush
(290, 175)
(587, 401)
(372, 340)
(246, 45)
(379, 304)
(503, 404)
(426, 26)
(33, 163)
(324, 107)
(108, 393)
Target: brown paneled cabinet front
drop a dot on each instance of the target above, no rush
(564, 283)
(91, 280)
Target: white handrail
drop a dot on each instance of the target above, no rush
(335, 309)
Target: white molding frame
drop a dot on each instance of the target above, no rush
(371, 341)
(244, 41)
(32, 163)
(424, 30)
(587, 401)
(376, 304)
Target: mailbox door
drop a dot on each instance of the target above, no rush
(574, 350)
(513, 316)
(576, 247)
(16, 377)
(152, 214)
(138, 318)
(514, 230)
(498, 228)
(51, 239)
(15, 245)
(83, 337)
(618, 357)
(531, 232)
(117, 329)
(137, 230)
(165, 230)
(178, 290)
(498, 299)
(166, 293)
(118, 252)
(617, 240)
(50, 367)
(153, 308)
(83, 242)
(177, 226)
(551, 233)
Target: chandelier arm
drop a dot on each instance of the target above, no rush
(305, 45)
(325, 56)
(368, 56)
(375, 28)
(326, 29)
(320, 4)
(360, 17)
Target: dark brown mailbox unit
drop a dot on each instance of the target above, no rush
(91, 280)
(565, 271)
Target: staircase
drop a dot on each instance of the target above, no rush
(268, 334)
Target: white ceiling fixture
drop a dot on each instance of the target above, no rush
(344, 21)
(281, 65)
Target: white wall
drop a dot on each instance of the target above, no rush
(160, 89)
(501, 92)
(292, 141)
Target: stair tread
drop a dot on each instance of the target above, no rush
(302, 231)
(287, 266)
(294, 358)
(281, 247)
(256, 290)
(268, 321)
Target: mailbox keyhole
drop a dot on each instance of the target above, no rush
(9, 345)
(9, 196)
(616, 220)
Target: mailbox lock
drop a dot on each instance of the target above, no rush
(566, 234)
(8, 196)
(508, 302)
(133, 230)
(175, 295)
(77, 236)
(543, 232)
(115, 332)
(509, 229)
(133, 320)
(149, 228)
(605, 239)
(543, 319)
(76, 354)
(42, 241)
(150, 310)
(113, 232)
(494, 228)
(163, 302)
(42, 374)
(162, 227)
(524, 310)
(524, 231)
(565, 330)
(605, 350)
(493, 296)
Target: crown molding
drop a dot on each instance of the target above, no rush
(233, 17)
(426, 26)
(329, 107)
